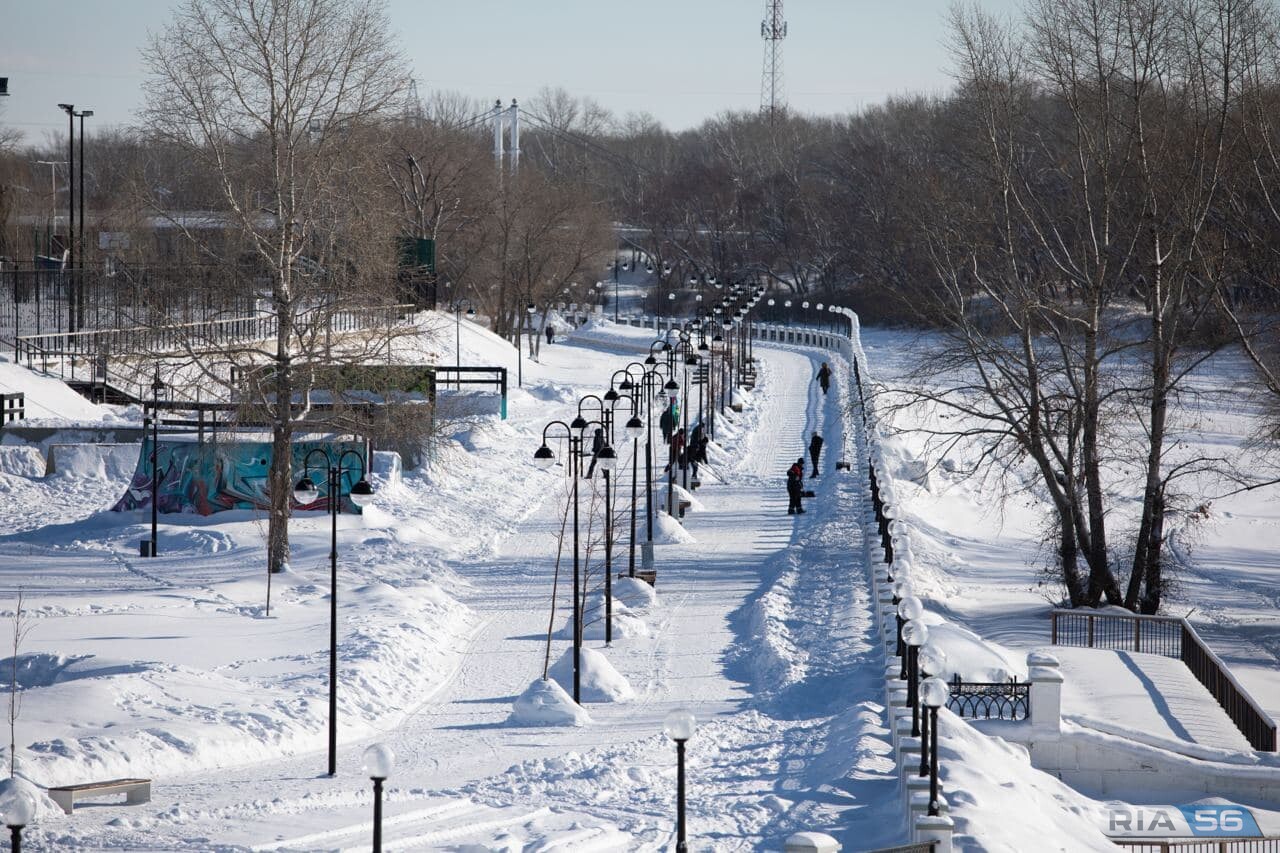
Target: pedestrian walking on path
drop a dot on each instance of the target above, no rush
(597, 444)
(551, 334)
(815, 450)
(667, 423)
(824, 377)
(795, 487)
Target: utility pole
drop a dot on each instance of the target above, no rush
(773, 29)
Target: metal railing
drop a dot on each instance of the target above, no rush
(86, 356)
(13, 407)
(1010, 700)
(1200, 845)
(1171, 637)
(918, 847)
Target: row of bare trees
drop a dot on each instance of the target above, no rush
(1085, 219)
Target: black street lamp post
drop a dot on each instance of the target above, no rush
(19, 811)
(614, 265)
(70, 110)
(82, 254)
(679, 726)
(457, 332)
(306, 493)
(935, 693)
(914, 634)
(156, 387)
(379, 761)
(607, 459)
(544, 458)
(933, 661)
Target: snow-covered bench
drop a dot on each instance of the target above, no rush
(135, 791)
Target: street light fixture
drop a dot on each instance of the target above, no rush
(933, 662)
(156, 387)
(544, 458)
(379, 761)
(306, 493)
(19, 811)
(914, 634)
(70, 110)
(457, 331)
(679, 726)
(935, 692)
(82, 115)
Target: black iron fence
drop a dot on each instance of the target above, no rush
(1010, 700)
(918, 847)
(1200, 845)
(36, 300)
(1170, 637)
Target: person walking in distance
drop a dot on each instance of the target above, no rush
(597, 444)
(795, 487)
(824, 377)
(815, 450)
(667, 423)
(551, 334)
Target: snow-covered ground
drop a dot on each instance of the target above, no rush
(760, 623)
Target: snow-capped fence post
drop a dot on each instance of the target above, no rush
(1046, 694)
(936, 829)
(811, 842)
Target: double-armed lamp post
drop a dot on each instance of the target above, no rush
(306, 493)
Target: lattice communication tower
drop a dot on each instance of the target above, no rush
(773, 29)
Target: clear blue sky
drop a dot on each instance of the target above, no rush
(681, 60)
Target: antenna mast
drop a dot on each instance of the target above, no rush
(773, 29)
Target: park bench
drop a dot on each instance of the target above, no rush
(649, 576)
(684, 506)
(135, 791)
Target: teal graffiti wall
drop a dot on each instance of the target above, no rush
(202, 479)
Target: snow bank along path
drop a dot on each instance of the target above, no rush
(762, 628)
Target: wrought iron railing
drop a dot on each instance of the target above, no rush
(13, 407)
(1200, 845)
(987, 700)
(1170, 637)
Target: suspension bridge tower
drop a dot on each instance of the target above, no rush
(773, 29)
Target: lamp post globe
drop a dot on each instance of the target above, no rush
(902, 589)
(578, 426)
(543, 457)
(933, 659)
(915, 633)
(679, 725)
(378, 761)
(305, 492)
(607, 458)
(634, 428)
(361, 493)
(911, 609)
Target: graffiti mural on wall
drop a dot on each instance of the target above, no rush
(202, 479)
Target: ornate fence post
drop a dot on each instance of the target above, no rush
(1046, 694)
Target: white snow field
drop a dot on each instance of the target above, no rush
(760, 623)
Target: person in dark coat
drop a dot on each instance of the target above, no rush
(824, 377)
(815, 450)
(551, 334)
(597, 444)
(667, 423)
(677, 450)
(795, 487)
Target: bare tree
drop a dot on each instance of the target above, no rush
(282, 101)
(21, 627)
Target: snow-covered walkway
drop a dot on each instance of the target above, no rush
(762, 628)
